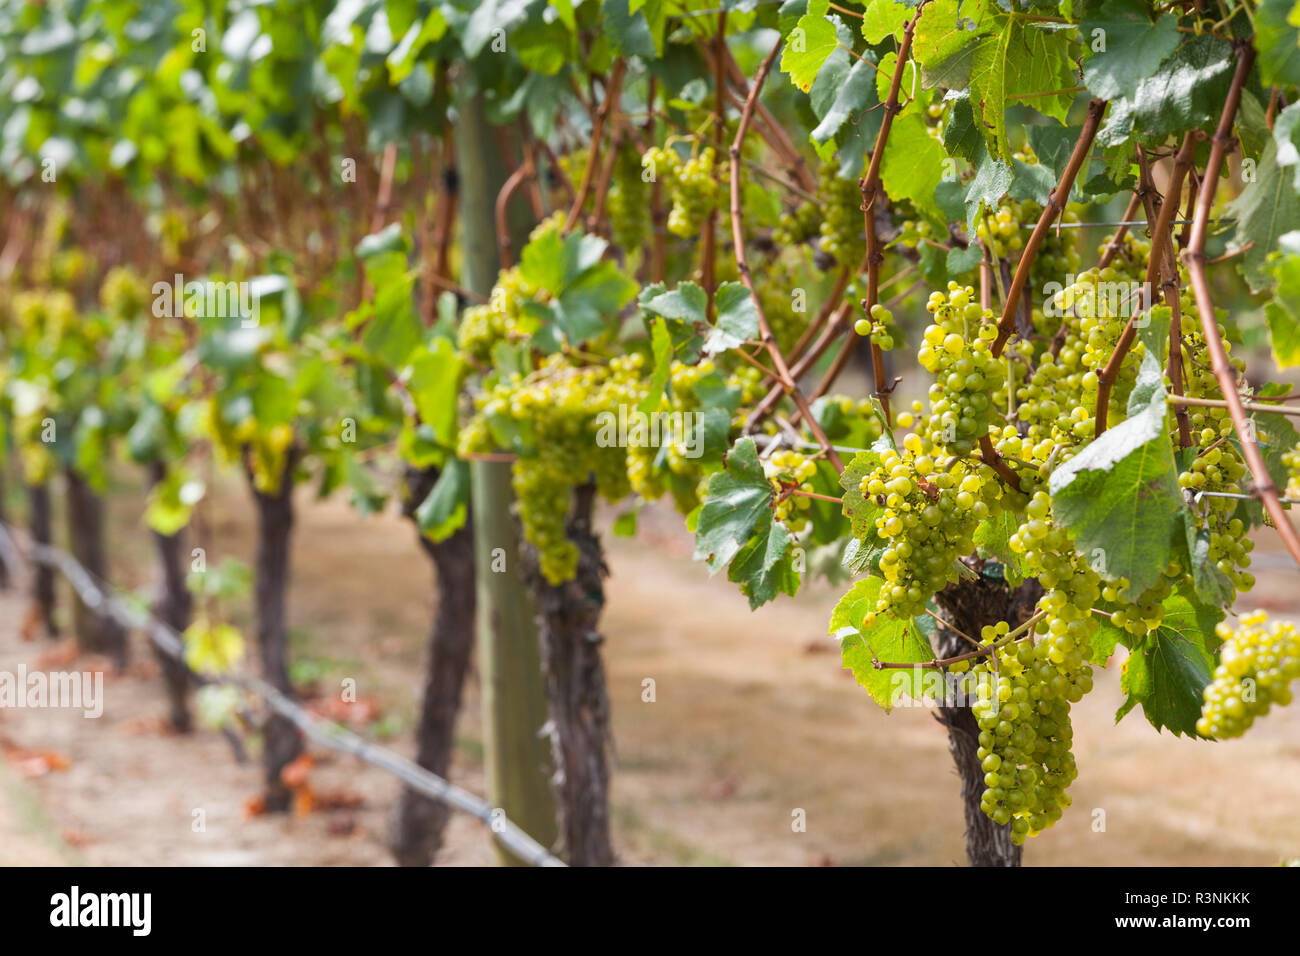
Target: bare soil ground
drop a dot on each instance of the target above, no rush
(753, 720)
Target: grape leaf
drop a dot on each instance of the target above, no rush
(860, 509)
(737, 319)
(890, 640)
(629, 30)
(435, 387)
(1265, 210)
(991, 182)
(1187, 90)
(1104, 640)
(738, 497)
(445, 509)
(763, 566)
(1281, 312)
(1131, 44)
(884, 18)
(993, 536)
(1119, 496)
(851, 92)
(661, 347)
(913, 165)
(1278, 42)
(809, 44)
(944, 30)
(1168, 674)
(1286, 134)
(1211, 585)
(961, 137)
(1017, 61)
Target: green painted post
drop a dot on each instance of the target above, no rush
(509, 658)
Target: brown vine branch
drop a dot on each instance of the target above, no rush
(709, 237)
(1160, 237)
(1194, 258)
(742, 265)
(597, 132)
(1056, 201)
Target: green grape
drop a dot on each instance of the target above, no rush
(926, 520)
(958, 352)
(628, 203)
(797, 227)
(1256, 667)
(559, 407)
(879, 327)
(787, 470)
(693, 185)
(841, 225)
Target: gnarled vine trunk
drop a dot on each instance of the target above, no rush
(40, 524)
(95, 631)
(172, 606)
(578, 704)
(971, 605)
(281, 743)
(419, 821)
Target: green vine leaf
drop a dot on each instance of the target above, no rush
(889, 640)
(1119, 496)
(1167, 675)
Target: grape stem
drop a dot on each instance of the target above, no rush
(960, 633)
(990, 457)
(742, 263)
(984, 651)
(1194, 258)
(1056, 201)
(813, 494)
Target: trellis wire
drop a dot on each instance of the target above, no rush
(103, 598)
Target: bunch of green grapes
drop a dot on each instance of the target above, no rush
(914, 232)
(1001, 232)
(629, 208)
(1144, 613)
(1256, 667)
(785, 324)
(958, 352)
(841, 225)
(786, 470)
(753, 386)
(879, 327)
(1055, 408)
(926, 519)
(1217, 467)
(693, 185)
(681, 473)
(502, 316)
(124, 293)
(1291, 462)
(568, 442)
(574, 166)
(1023, 712)
(797, 226)
(1004, 234)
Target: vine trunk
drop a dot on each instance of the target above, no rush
(419, 822)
